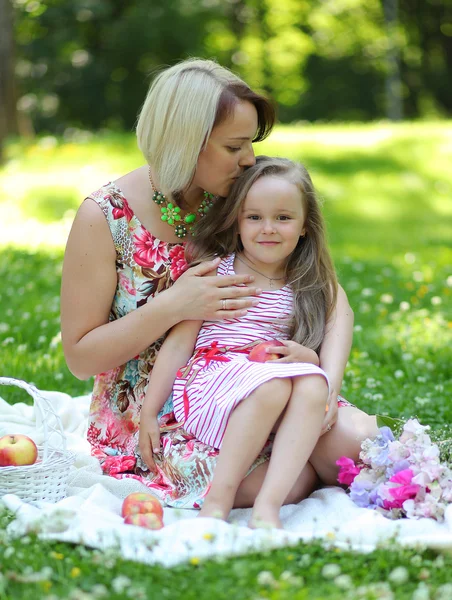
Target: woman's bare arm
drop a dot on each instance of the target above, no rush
(91, 343)
(337, 342)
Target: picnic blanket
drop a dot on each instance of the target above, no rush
(90, 514)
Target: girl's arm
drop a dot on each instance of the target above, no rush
(174, 354)
(337, 342)
(94, 345)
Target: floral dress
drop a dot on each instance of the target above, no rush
(145, 267)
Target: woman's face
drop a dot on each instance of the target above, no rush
(228, 152)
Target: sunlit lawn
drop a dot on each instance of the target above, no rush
(387, 194)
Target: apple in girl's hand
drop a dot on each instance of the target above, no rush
(148, 520)
(17, 450)
(141, 503)
(259, 354)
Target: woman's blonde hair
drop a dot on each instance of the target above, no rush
(309, 270)
(184, 103)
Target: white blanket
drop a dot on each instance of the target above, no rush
(90, 514)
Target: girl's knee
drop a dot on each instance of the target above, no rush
(314, 387)
(275, 392)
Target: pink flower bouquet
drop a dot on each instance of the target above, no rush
(399, 477)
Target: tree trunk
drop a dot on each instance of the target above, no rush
(8, 120)
(393, 87)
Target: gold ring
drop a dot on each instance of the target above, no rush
(223, 304)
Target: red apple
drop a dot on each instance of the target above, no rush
(148, 520)
(17, 450)
(141, 503)
(259, 354)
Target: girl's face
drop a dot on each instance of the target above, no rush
(271, 221)
(228, 152)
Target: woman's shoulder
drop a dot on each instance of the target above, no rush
(109, 197)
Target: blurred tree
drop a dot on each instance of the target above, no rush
(427, 56)
(86, 63)
(394, 109)
(320, 59)
(8, 123)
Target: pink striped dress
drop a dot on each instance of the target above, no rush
(219, 375)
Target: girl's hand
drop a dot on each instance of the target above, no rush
(213, 297)
(293, 352)
(331, 415)
(149, 440)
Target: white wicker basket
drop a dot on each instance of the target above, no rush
(46, 480)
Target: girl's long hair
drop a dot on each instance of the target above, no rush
(309, 271)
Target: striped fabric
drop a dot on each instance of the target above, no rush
(205, 395)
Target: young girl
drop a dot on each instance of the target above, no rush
(270, 224)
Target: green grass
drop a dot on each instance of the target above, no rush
(387, 200)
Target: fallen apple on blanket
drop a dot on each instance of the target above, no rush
(148, 520)
(259, 354)
(17, 450)
(143, 509)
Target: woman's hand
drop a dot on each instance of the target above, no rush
(149, 440)
(293, 352)
(331, 414)
(213, 297)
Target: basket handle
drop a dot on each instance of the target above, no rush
(43, 406)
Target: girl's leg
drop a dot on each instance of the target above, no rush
(351, 428)
(246, 433)
(248, 490)
(294, 442)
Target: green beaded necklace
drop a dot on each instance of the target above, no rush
(171, 213)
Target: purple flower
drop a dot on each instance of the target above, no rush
(359, 493)
(386, 434)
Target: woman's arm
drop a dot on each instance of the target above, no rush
(337, 342)
(174, 354)
(91, 343)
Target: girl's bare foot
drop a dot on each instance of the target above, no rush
(265, 517)
(214, 511)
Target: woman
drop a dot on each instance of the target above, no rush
(120, 295)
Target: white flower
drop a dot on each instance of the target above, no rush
(404, 306)
(444, 592)
(265, 578)
(387, 299)
(422, 592)
(399, 374)
(399, 575)
(331, 570)
(344, 582)
(367, 292)
(120, 584)
(436, 300)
